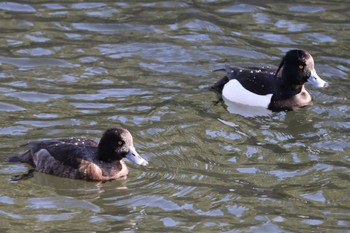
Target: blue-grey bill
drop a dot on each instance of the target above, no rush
(134, 157)
(315, 80)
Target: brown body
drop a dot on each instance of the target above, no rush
(87, 170)
(79, 158)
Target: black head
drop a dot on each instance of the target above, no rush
(299, 68)
(116, 144)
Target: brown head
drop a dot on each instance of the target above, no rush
(116, 144)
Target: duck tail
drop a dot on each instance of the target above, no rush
(219, 85)
(21, 158)
(14, 159)
(219, 69)
(227, 68)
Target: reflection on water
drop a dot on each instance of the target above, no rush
(244, 110)
(78, 68)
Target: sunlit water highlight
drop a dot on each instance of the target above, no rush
(78, 68)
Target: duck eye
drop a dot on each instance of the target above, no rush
(301, 67)
(120, 143)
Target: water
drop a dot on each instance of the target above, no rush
(78, 68)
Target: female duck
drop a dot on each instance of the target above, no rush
(80, 158)
(270, 88)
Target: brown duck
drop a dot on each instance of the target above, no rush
(81, 158)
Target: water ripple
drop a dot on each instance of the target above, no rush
(31, 62)
(17, 7)
(78, 68)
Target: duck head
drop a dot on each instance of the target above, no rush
(299, 68)
(116, 144)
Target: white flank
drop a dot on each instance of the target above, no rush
(235, 92)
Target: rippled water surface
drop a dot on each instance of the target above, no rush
(76, 68)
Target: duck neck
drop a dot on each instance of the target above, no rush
(105, 153)
(294, 88)
(290, 83)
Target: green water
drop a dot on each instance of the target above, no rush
(76, 68)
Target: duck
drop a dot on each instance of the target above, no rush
(280, 89)
(82, 158)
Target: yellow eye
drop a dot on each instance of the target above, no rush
(301, 67)
(120, 143)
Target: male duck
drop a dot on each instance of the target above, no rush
(80, 158)
(270, 88)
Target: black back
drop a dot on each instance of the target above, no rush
(254, 79)
(69, 151)
(284, 83)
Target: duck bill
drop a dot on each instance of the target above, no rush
(134, 157)
(315, 80)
